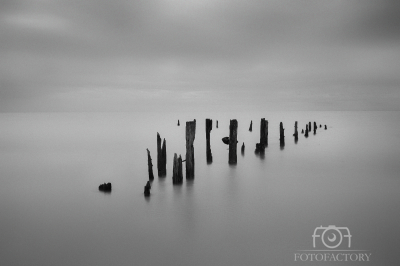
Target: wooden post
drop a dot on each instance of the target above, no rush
(281, 134)
(326, 127)
(178, 123)
(190, 135)
(309, 126)
(217, 123)
(264, 132)
(302, 131)
(242, 149)
(177, 177)
(233, 141)
(208, 146)
(147, 188)
(306, 134)
(251, 126)
(161, 157)
(296, 134)
(150, 165)
(315, 127)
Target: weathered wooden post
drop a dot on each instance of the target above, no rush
(242, 149)
(260, 147)
(190, 135)
(306, 133)
(150, 165)
(251, 126)
(302, 131)
(178, 123)
(233, 141)
(147, 188)
(326, 127)
(309, 126)
(264, 132)
(281, 134)
(177, 177)
(161, 156)
(217, 123)
(296, 134)
(315, 127)
(208, 146)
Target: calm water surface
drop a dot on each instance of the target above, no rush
(258, 212)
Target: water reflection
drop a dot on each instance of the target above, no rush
(260, 154)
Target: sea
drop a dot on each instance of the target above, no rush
(332, 198)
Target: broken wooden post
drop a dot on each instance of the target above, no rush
(208, 146)
(217, 123)
(242, 149)
(281, 134)
(309, 126)
(150, 165)
(161, 157)
(302, 131)
(233, 141)
(264, 132)
(306, 133)
(251, 126)
(315, 127)
(147, 188)
(177, 176)
(296, 134)
(190, 135)
(325, 127)
(260, 147)
(178, 123)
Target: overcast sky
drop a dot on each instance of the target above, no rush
(128, 55)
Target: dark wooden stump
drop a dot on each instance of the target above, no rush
(147, 188)
(309, 126)
(326, 127)
(161, 157)
(315, 127)
(105, 187)
(150, 165)
(190, 135)
(281, 134)
(242, 149)
(251, 126)
(233, 141)
(177, 177)
(296, 133)
(178, 123)
(217, 123)
(208, 146)
(306, 133)
(264, 132)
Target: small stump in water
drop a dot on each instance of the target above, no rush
(147, 188)
(106, 187)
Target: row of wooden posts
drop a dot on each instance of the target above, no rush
(177, 175)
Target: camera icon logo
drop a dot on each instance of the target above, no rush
(331, 236)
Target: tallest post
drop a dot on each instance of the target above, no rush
(233, 141)
(190, 134)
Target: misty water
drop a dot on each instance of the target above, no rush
(260, 211)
